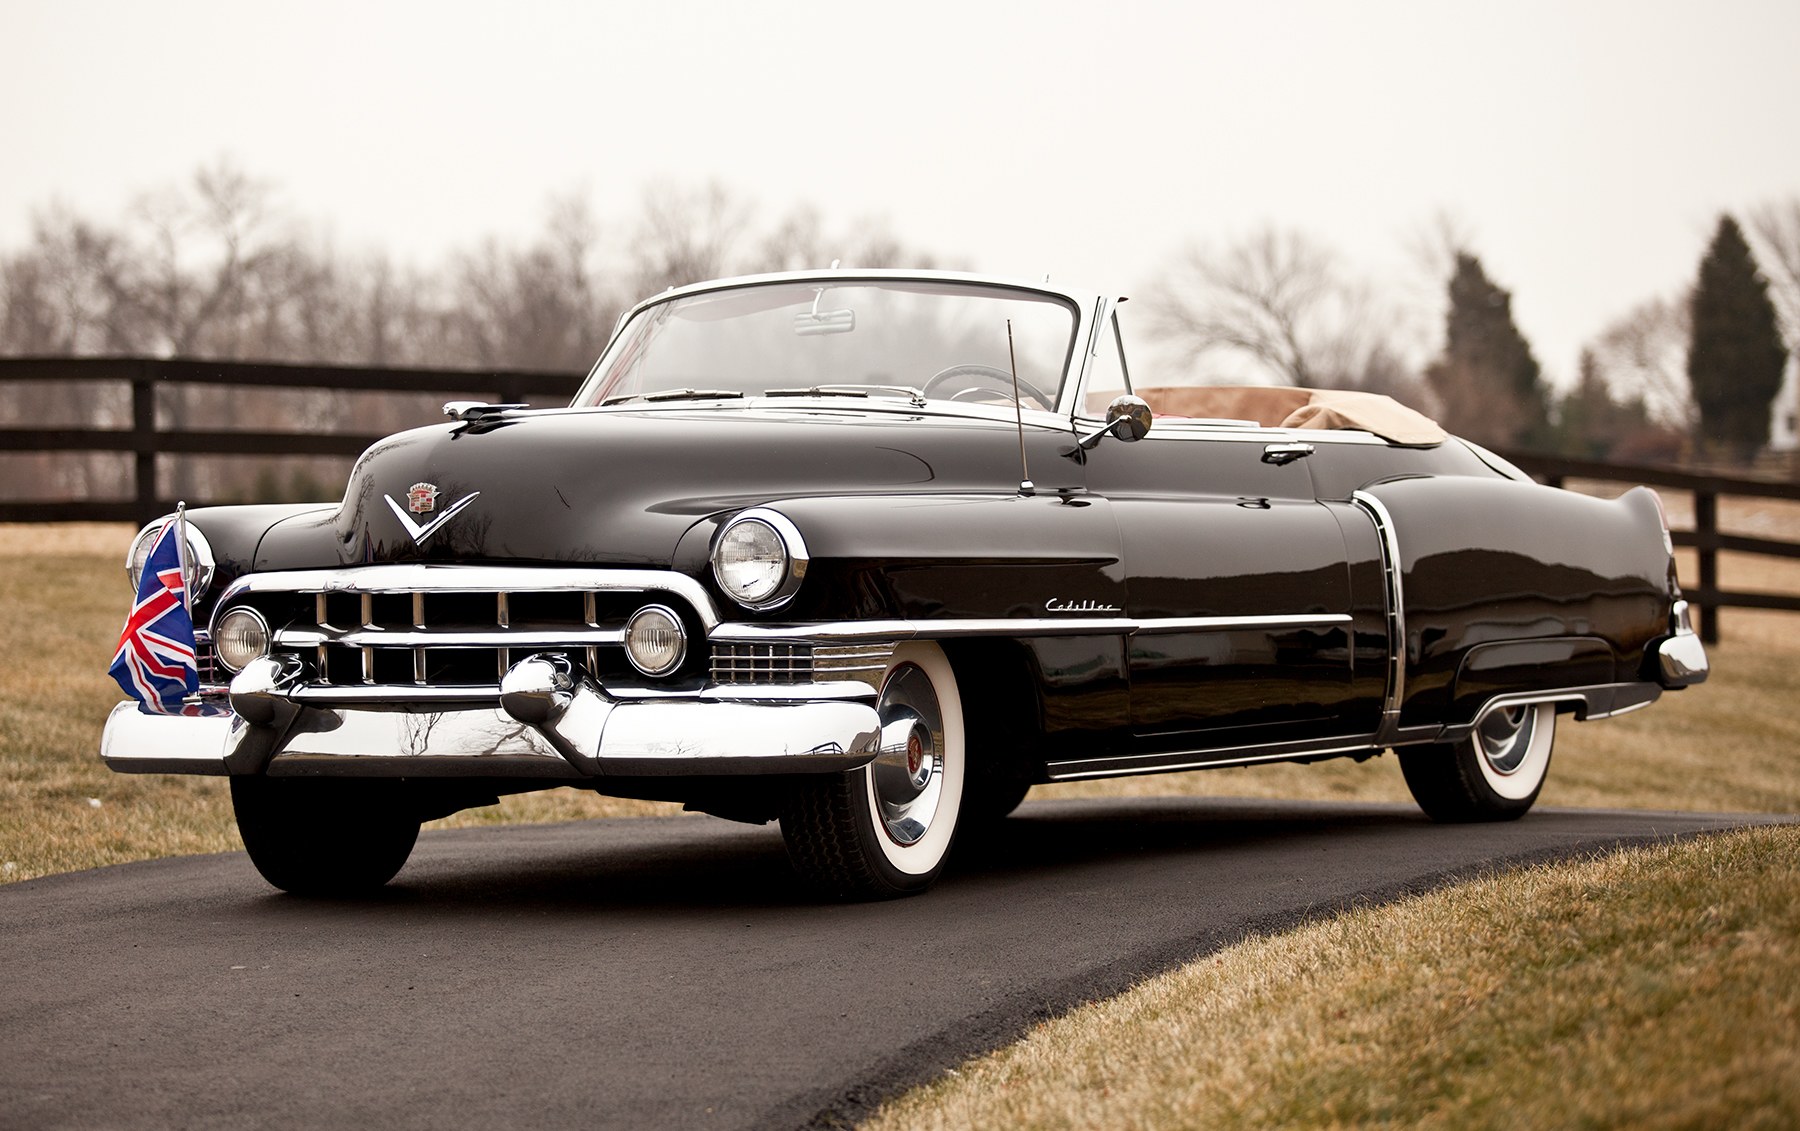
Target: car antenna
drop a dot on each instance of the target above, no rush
(1026, 486)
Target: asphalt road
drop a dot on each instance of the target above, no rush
(662, 972)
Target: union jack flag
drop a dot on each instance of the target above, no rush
(155, 661)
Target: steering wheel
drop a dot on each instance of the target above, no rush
(971, 371)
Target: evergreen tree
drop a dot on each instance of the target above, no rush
(1488, 385)
(1591, 423)
(1736, 357)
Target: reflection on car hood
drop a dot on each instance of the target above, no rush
(622, 487)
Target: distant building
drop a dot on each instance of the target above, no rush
(1784, 427)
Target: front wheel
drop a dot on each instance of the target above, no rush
(1495, 774)
(324, 837)
(885, 830)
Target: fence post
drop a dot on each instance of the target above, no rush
(143, 439)
(1706, 528)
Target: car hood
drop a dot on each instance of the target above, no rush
(622, 487)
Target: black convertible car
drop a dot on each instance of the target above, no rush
(870, 553)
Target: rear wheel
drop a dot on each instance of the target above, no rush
(324, 837)
(885, 830)
(1495, 774)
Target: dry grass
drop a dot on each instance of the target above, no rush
(1651, 988)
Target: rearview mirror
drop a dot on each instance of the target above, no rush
(1128, 417)
(810, 322)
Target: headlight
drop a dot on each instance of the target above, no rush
(759, 559)
(200, 562)
(240, 636)
(655, 642)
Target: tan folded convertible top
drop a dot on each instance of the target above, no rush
(1287, 407)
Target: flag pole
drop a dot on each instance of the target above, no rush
(181, 550)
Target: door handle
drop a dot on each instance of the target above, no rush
(1279, 454)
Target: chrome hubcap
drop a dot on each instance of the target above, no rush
(1504, 737)
(908, 772)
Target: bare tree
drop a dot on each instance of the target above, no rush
(1643, 353)
(685, 235)
(541, 307)
(1775, 235)
(800, 241)
(73, 291)
(1277, 307)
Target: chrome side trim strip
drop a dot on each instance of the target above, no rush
(1151, 626)
(1010, 626)
(1133, 765)
(1600, 701)
(294, 638)
(1396, 613)
(419, 577)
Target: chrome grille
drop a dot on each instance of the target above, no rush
(461, 638)
(789, 662)
(762, 663)
(395, 628)
(213, 675)
(865, 662)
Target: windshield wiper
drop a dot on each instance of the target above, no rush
(916, 396)
(675, 395)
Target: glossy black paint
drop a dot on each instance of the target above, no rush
(623, 486)
(1209, 529)
(234, 533)
(1487, 560)
(913, 514)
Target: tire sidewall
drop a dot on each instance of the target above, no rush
(914, 866)
(1518, 789)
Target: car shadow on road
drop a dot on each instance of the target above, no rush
(688, 864)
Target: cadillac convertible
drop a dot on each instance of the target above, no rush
(870, 554)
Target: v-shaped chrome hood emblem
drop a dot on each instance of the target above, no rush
(420, 533)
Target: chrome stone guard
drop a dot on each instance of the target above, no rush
(554, 721)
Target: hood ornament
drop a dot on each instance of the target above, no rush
(420, 498)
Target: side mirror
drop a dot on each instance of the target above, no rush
(1127, 417)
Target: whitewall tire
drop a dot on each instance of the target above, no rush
(887, 828)
(1495, 774)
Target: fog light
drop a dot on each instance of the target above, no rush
(242, 635)
(655, 642)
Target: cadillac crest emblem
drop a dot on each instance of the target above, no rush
(421, 497)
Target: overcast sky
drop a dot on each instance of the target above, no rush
(1587, 147)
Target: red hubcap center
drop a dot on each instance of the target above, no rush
(915, 754)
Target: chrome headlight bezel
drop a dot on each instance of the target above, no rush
(784, 562)
(674, 626)
(201, 565)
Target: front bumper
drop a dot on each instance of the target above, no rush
(552, 722)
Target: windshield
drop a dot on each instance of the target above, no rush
(857, 338)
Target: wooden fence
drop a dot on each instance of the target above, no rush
(148, 438)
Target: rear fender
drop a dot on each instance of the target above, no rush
(1494, 561)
